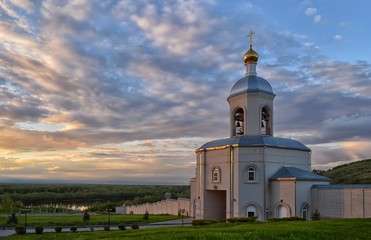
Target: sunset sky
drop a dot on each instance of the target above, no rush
(125, 91)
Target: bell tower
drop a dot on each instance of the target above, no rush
(251, 101)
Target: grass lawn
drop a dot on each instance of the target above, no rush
(323, 229)
(76, 220)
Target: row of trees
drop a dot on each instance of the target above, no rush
(96, 196)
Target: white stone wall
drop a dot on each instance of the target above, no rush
(168, 206)
(346, 202)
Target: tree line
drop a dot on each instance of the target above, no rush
(36, 194)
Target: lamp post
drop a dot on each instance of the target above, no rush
(109, 210)
(25, 211)
(181, 213)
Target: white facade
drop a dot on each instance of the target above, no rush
(237, 176)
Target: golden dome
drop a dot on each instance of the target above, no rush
(251, 56)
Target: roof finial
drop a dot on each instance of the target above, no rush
(250, 34)
(251, 56)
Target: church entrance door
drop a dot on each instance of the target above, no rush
(215, 204)
(282, 212)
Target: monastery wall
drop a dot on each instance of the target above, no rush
(346, 201)
(168, 206)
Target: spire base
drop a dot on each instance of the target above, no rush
(250, 69)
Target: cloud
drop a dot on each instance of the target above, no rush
(317, 18)
(132, 89)
(310, 11)
(53, 169)
(338, 37)
(342, 24)
(177, 27)
(29, 6)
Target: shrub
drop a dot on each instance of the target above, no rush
(39, 229)
(242, 219)
(73, 229)
(19, 230)
(146, 215)
(86, 217)
(297, 219)
(316, 215)
(134, 226)
(106, 228)
(12, 219)
(121, 226)
(286, 219)
(58, 229)
(199, 222)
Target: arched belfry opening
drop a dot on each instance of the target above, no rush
(238, 122)
(266, 121)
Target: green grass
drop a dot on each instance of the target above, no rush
(94, 220)
(323, 230)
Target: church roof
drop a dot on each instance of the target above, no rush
(298, 174)
(251, 83)
(257, 141)
(340, 186)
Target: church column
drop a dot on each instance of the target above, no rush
(231, 189)
(266, 187)
(202, 180)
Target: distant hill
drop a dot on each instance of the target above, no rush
(351, 173)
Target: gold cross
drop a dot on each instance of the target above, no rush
(250, 34)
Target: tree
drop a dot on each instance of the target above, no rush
(10, 206)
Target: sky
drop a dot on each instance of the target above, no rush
(125, 91)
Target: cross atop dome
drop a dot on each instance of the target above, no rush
(250, 35)
(251, 56)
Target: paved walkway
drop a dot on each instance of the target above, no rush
(171, 223)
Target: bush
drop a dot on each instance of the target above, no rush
(200, 222)
(39, 229)
(242, 219)
(134, 226)
(316, 215)
(106, 228)
(146, 215)
(73, 229)
(58, 229)
(286, 219)
(86, 217)
(12, 219)
(121, 226)
(19, 230)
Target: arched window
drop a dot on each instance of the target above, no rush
(250, 174)
(239, 123)
(251, 211)
(266, 121)
(304, 211)
(216, 175)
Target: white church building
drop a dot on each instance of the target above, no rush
(253, 173)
